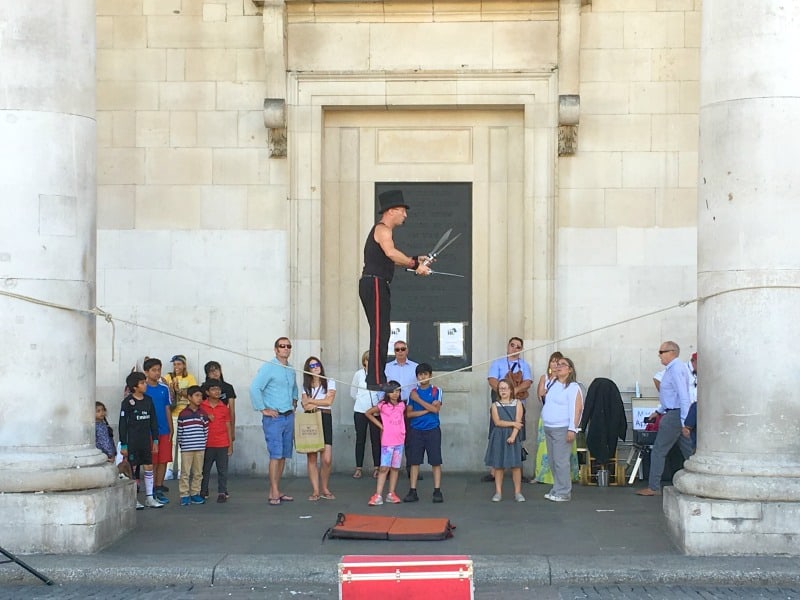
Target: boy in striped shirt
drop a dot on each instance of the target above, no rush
(192, 436)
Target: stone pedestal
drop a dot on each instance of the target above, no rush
(740, 494)
(61, 493)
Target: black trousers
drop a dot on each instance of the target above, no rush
(220, 457)
(375, 298)
(362, 426)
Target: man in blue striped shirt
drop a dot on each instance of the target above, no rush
(674, 402)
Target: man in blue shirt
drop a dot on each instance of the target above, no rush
(674, 402)
(274, 394)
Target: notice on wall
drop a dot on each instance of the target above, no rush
(399, 333)
(641, 408)
(451, 339)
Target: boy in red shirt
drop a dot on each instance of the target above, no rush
(220, 440)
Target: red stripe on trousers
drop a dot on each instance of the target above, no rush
(377, 340)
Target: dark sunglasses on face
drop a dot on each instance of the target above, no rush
(314, 365)
(285, 346)
(402, 349)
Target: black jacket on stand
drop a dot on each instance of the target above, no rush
(604, 414)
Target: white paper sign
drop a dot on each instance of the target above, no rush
(642, 408)
(451, 339)
(399, 332)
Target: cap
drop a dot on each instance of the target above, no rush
(694, 356)
(178, 357)
(391, 199)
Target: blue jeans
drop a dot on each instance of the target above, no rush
(279, 435)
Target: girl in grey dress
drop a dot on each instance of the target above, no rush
(504, 450)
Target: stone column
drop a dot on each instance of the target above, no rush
(58, 492)
(740, 494)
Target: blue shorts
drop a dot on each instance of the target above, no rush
(279, 435)
(428, 441)
(391, 456)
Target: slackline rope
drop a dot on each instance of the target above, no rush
(99, 312)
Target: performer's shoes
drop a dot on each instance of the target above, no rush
(386, 388)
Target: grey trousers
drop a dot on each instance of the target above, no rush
(558, 453)
(669, 432)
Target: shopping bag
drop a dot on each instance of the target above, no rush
(308, 432)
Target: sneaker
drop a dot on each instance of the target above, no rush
(376, 500)
(203, 494)
(548, 496)
(222, 499)
(139, 505)
(185, 501)
(411, 496)
(161, 488)
(487, 478)
(519, 498)
(161, 497)
(197, 500)
(437, 497)
(554, 498)
(393, 498)
(151, 502)
(497, 498)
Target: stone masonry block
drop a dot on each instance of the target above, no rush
(266, 206)
(116, 206)
(677, 207)
(251, 130)
(223, 207)
(614, 132)
(691, 27)
(630, 207)
(130, 32)
(602, 30)
(120, 166)
(105, 128)
(519, 43)
(247, 95)
(214, 12)
(131, 65)
(180, 95)
(178, 166)
(643, 169)
(604, 98)
(437, 46)
(218, 129)
(591, 170)
(687, 169)
(616, 65)
(689, 98)
(104, 32)
(118, 7)
(654, 30)
(250, 65)
(240, 166)
(183, 129)
(152, 128)
(623, 5)
(309, 42)
(676, 64)
(168, 207)
(176, 64)
(654, 97)
(127, 95)
(676, 132)
(192, 32)
(581, 208)
(210, 65)
(123, 129)
(161, 7)
(676, 5)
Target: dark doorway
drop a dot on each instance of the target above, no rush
(435, 305)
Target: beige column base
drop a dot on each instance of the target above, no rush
(61, 468)
(706, 526)
(81, 522)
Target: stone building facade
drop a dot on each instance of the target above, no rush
(575, 121)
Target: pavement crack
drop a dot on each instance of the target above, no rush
(214, 568)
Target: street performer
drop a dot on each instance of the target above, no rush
(380, 259)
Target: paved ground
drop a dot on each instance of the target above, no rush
(605, 537)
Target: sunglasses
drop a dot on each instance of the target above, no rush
(285, 346)
(314, 365)
(403, 349)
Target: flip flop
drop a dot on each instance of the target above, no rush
(313, 498)
(274, 501)
(327, 496)
(285, 498)
(357, 474)
(375, 473)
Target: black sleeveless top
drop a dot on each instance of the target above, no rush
(376, 263)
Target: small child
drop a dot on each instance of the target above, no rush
(504, 450)
(424, 433)
(219, 446)
(104, 439)
(138, 433)
(192, 436)
(393, 434)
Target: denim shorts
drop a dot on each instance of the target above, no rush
(279, 435)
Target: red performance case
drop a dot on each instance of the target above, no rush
(405, 577)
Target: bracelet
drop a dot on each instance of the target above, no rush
(415, 263)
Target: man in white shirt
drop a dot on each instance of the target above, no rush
(404, 372)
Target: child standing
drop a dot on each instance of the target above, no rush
(159, 394)
(192, 436)
(393, 434)
(504, 450)
(424, 433)
(138, 433)
(220, 440)
(104, 439)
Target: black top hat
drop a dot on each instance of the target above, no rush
(391, 199)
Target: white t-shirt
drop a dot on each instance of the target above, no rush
(318, 393)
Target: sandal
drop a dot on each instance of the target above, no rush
(285, 498)
(274, 501)
(375, 473)
(327, 496)
(357, 474)
(313, 498)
